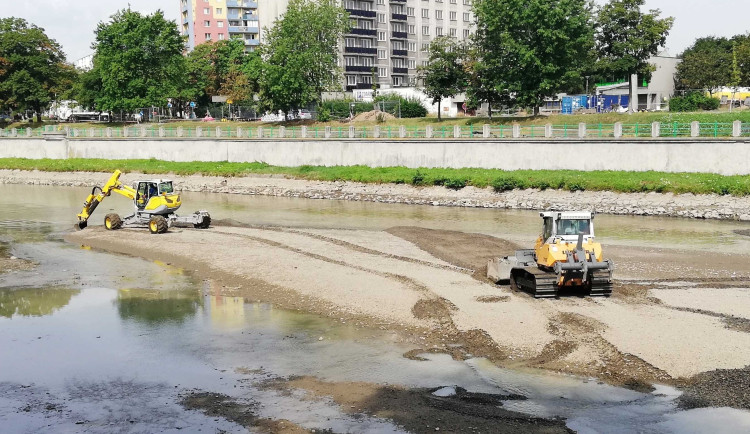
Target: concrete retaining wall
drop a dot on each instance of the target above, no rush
(727, 157)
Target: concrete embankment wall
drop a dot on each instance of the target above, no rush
(727, 157)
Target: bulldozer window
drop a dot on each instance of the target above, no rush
(547, 229)
(573, 227)
(141, 195)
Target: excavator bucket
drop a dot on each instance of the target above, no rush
(81, 225)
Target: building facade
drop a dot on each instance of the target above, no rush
(387, 42)
(215, 20)
(389, 38)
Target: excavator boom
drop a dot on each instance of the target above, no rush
(95, 198)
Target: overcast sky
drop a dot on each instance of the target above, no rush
(72, 22)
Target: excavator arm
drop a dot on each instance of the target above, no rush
(113, 185)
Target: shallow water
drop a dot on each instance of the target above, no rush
(99, 343)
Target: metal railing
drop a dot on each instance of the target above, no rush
(547, 131)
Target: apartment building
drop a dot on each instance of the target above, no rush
(387, 41)
(392, 37)
(215, 20)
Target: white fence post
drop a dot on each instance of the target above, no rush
(328, 132)
(456, 131)
(303, 132)
(260, 132)
(198, 131)
(485, 131)
(695, 129)
(351, 131)
(516, 131)
(655, 129)
(548, 131)
(736, 128)
(582, 130)
(402, 131)
(428, 132)
(618, 130)
(282, 132)
(162, 132)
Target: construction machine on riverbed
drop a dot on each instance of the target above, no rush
(565, 257)
(155, 204)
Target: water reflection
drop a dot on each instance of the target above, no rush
(155, 307)
(34, 301)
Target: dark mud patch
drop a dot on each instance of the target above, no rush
(220, 405)
(719, 388)
(419, 411)
(743, 232)
(437, 309)
(466, 250)
(492, 298)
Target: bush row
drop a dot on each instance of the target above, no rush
(693, 101)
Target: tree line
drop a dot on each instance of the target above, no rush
(521, 52)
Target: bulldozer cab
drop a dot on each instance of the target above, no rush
(567, 225)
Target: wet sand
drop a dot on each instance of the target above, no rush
(428, 286)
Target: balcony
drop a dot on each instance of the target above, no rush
(252, 42)
(363, 32)
(400, 70)
(398, 1)
(360, 50)
(361, 13)
(243, 29)
(400, 53)
(398, 17)
(399, 35)
(357, 68)
(350, 87)
(241, 4)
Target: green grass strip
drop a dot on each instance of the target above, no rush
(571, 180)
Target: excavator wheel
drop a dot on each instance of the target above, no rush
(158, 225)
(204, 224)
(112, 222)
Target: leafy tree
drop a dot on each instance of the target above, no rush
(139, 59)
(32, 67)
(444, 75)
(627, 37)
(300, 55)
(86, 88)
(531, 49)
(482, 87)
(705, 65)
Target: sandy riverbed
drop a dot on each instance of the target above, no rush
(429, 286)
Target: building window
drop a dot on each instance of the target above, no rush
(412, 29)
(366, 43)
(350, 42)
(412, 64)
(397, 81)
(221, 36)
(438, 14)
(382, 72)
(208, 36)
(452, 33)
(453, 15)
(412, 46)
(410, 11)
(381, 35)
(381, 18)
(220, 24)
(366, 61)
(438, 31)
(425, 13)
(466, 16)
(426, 30)
(381, 2)
(466, 33)
(350, 61)
(351, 80)
(381, 54)
(219, 11)
(207, 23)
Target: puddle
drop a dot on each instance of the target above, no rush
(97, 342)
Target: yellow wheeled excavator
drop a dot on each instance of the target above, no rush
(155, 204)
(565, 257)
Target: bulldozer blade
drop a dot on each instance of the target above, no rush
(81, 225)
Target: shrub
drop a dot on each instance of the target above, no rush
(340, 108)
(455, 183)
(410, 107)
(693, 101)
(418, 178)
(324, 115)
(506, 183)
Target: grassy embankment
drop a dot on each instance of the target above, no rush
(591, 119)
(625, 182)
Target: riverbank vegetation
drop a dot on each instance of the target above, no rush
(499, 180)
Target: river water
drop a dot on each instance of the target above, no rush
(96, 342)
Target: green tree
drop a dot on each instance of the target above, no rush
(444, 75)
(627, 37)
(532, 49)
(300, 55)
(482, 86)
(32, 67)
(139, 59)
(705, 65)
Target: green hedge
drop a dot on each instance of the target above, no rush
(693, 101)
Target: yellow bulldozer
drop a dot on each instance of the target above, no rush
(155, 204)
(565, 257)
